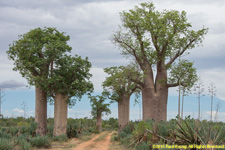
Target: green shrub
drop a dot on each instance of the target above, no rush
(40, 141)
(13, 130)
(96, 131)
(114, 137)
(84, 133)
(4, 135)
(139, 131)
(60, 138)
(32, 128)
(123, 134)
(143, 146)
(50, 130)
(24, 145)
(5, 144)
(22, 123)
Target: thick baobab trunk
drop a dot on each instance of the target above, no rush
(41, 111)
(99, 121)
(149, 104)
(163, 98)
(60, 114)
(154, 96)
(123, 111)
(161, 91)
(149, 99)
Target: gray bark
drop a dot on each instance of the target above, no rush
(41, 111)
(60, 114)
(123, 111)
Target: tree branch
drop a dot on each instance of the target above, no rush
(180, 53)
(172, 85)
(133, 51)
(138, 82)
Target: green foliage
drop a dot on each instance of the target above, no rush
(33, 127)
(34, 51)
(40, 142)
(70, 76)
(119, 82)
(50, 129)
(24, 145)
(22, 123)
(139, 131)
(155, 39)
(4, 135)
(13, 130)
(60, 138)
(201, 133)
(98, 105)
(143, 146)
(186, 79)
(5, 144)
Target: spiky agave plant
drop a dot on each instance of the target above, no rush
(186, 133)
(210, 133)
(200, 133)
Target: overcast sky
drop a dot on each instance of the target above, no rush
(90, 23)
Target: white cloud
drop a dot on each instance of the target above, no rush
(217, 76)
(207, 114)
(18, 110)
(90, 24)
(98, 77)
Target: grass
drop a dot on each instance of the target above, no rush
(116, 145)
(85, 138)
(101, 137)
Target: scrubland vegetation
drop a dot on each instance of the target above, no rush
(20, 133)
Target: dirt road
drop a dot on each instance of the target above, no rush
(99, 142)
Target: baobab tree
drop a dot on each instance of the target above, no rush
(32, 54)
(155, 40)
(120, 87)
(68, 81)
(98, 107)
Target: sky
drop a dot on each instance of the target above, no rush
(90, 23)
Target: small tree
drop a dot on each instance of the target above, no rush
(68, 81)
(185, 75)
(98, 107)
(32, 54)
(121, 88)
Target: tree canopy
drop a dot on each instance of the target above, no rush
(118, 82)
(34, 51)
(154, 37)
(98, 104)
(155, 40)
(70, 76)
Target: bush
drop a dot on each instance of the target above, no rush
(5, 144)
(4, 135)
(40, 141)
(123, 134)
(60, 138)
(143, 146)
(50, 129)
(13, 130)
(114, 137)
(32, 128)
(24, 145)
